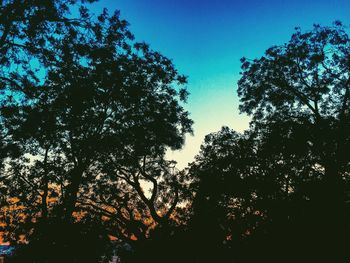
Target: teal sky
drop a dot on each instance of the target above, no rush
(205, 39)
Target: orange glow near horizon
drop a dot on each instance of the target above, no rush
(2, 243)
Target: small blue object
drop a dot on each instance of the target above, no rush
(6, 250)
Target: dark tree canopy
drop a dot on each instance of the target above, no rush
(253, 195)
(28, 30)
(281, 188)
(306, 83)
(91, 130)
(308, 75)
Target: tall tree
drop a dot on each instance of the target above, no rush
(108, 107)
(299, 92)
(28, 30)
(306, 80)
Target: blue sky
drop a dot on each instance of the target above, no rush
(205, 39)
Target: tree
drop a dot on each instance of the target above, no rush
(289, 173)
(307, 81)
(223, 206)
(103, 116)
(28, 30)
(301, 89)
(252, 197)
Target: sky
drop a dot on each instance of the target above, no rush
(206, 39)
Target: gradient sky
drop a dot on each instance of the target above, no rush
(205, 39)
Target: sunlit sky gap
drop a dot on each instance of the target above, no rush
(206, 39)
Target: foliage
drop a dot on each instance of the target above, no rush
(281, 188)
(91, 135)
(88, 113)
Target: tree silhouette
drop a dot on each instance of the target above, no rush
(88, 113)
(306, 81)
(221, 215)
(281, 188)
(28, 30)
(101, 119)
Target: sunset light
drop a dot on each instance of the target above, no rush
(192, 131)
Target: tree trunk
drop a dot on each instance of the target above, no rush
(71, 194)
